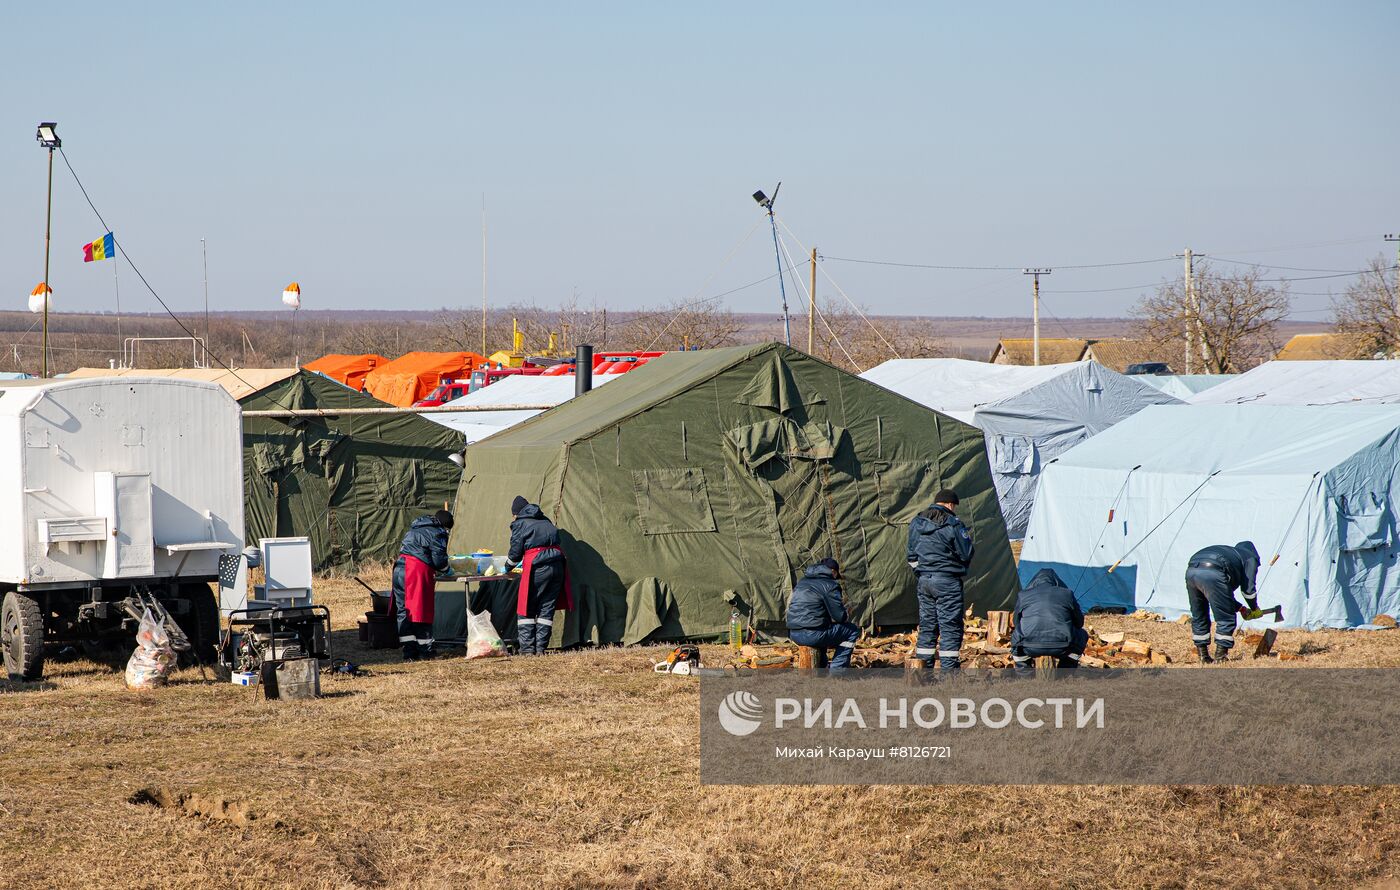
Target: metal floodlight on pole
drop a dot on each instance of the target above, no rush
(47, 137)
(767, 204)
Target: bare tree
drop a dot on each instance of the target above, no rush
(1235, 316)
(1370, 312)
(679, 325)
(852, 340)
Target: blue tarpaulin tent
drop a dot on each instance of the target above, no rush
(1029, 415)
(1314, 488)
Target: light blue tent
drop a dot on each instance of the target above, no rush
(1314, 488)
(1029, 415)
(1184, 386)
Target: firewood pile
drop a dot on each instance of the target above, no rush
(986, 644)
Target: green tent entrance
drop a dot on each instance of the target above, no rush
(708, 479)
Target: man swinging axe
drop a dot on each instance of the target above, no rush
(939, 551)
(1212, 576)
(544, 583)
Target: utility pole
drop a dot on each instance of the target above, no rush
(1395, 238)
(1195, 331)
(1035, 309)
(1192, 311)
(812, 305)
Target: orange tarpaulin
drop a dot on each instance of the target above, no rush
(410, 377)
(347, 369)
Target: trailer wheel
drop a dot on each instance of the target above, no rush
(201, 622)
(22, 636)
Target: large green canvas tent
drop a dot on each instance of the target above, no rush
(703, 474)
(351, 483)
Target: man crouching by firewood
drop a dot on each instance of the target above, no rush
(1048, 621)
(816, 616)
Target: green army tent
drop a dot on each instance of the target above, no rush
(707, 478)
(351, 483)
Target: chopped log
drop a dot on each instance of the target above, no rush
(768, 662)
(1184, 619)
(1264, 644)
(1090, 661)
(1112, 637)
(1160, 657)
(998, 625)
(1136, 647)
(989, 649)
(915, 674)
(1383, 620)
(749, 650)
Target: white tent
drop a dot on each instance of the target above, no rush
(1184, 386)
(1313, 487)
(1028, 414)
(1309, 383)
(515, 390)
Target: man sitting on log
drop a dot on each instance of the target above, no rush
(816, 616)
(1047, 621)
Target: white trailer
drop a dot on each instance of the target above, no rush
(112, 489)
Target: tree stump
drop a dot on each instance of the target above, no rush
(1045, 666)
(809, 658)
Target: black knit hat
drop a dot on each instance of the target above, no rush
(946, 496)
(517, 505)
(443, 518)
(830, 564)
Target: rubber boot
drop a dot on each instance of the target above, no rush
(1203, 653)
(1221, 653)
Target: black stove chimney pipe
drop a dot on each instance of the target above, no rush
(583, 369)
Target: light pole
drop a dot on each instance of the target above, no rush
(47, 137)
(767, 204)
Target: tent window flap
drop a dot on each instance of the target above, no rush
(1364, 523)
(673, 501)
(1013, 454)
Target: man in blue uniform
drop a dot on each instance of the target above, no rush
(1047, 621)
(1213, 575)
(939, 552)
(422, 556)
(544, 584)
(816, 616)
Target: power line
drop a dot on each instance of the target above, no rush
(1220, 259)
(840, 259)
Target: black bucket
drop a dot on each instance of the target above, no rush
(383, 630)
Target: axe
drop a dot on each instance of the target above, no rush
(1252, 614)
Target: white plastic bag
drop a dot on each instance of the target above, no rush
(154, 657)
(482, 639)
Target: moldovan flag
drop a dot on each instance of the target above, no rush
(103, 248)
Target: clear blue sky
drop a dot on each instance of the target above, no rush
(617, 145)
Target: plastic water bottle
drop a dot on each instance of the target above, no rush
(736, 631)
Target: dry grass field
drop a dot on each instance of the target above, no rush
(581, 770)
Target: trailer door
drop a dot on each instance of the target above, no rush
(125, 499)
